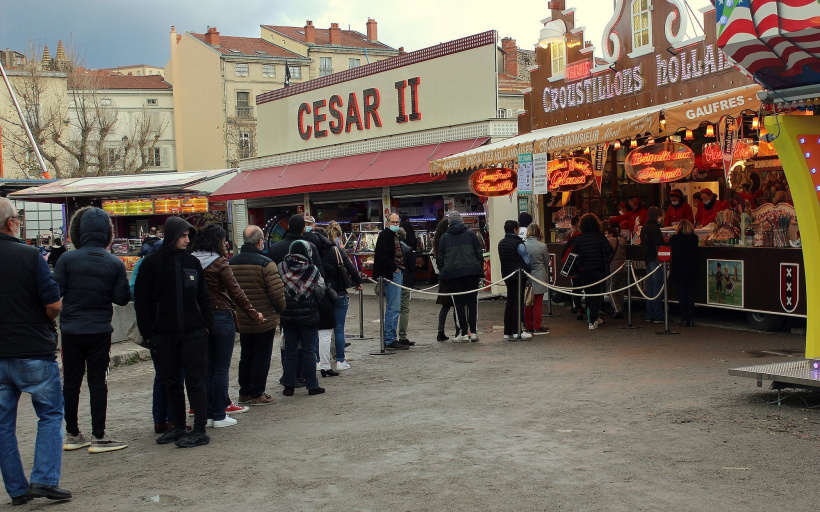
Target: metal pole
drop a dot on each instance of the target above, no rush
(23, 121)
(361, 335)
(382, 349)
(518, 301)
(549, 312)
(665, 304)
(629, 298)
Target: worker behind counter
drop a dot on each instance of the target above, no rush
(708, 210)
(678, 209)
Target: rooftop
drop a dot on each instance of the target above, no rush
(117, 81)
(350, 38)
(511, 84)
(247, 46)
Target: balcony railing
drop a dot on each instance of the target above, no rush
(244, 112)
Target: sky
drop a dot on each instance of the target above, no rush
(110, 33)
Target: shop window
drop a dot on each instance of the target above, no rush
(241, 69)
(268, 70)
(558, 56)
(296, 72)
(325, 66)
(641, 31)
(155, 157)
(245, 145)
(354, 63)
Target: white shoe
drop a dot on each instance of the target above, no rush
(474, 337)
(508, 337)
(342, 365)
(227, 422)
(599, 321)
(209, 423)
(461, 338)
(593, 326)
(525, 335)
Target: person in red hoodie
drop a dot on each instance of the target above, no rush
(624, 219)
(678, 209)
(709, 208)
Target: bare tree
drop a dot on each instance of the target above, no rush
(240, 140)
(140, 144)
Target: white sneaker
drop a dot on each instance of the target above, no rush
(461, 338)
(342, 365)
(525, 335)
(593, 326)
(599, 321)
(508, 337)
(474, 337)
(227, 422)
(209, 423)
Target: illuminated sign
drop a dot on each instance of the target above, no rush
(569, 174)
(713, 154)
(115, 208)
(142, 206)
(577, 70)
(600, 87)
(660, 163)
(167, 205)
(493, 182)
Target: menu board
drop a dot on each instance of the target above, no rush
(141, 206)
(217, 206)
(115, 208)
(195, 204)
(108, 206)
(167, 205)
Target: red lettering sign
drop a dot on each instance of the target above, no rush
(569, 174)
(493, 182)
(577, 70)
(660, 163)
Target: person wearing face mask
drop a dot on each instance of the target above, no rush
(340, 274)
(388, 262)
(709, 208)
(678, 209)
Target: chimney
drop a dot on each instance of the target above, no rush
(557, 5)
(310, 32)
(335, 34)
(510, 50)
(212, 36)
(372, 35)
(401, 50)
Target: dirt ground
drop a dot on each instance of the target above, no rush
(611, 419)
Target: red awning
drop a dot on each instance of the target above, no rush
(370, 170)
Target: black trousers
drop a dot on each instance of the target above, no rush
(593, 303)
(254, 362)
(513, 315)
(466, 304)
(79, 351)
(184, 351)
(686, 300)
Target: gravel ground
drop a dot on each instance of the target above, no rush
(612, 419)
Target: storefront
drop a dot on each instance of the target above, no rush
(137, 203)
(358, 144)
(643, 122)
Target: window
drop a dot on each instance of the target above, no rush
(268, 70)
(105, 102)
(296, 72)
(558, 54)
(353, 63)
(111, 156)
(155, 157)
(152, 101)
(244, 110)
(503, 113)
(640, 23)
(245, 145)
(241, 69)
(325, 66)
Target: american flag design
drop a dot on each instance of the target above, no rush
(770, 37)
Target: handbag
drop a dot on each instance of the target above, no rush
(572, 265)
(344, 276)
(529, 297)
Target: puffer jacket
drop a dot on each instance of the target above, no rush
(594, 250)
(303, 312)
(90, 277)
(259, 278)
(459, 253)
(225, 292)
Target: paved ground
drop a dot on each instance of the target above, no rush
(575, 420)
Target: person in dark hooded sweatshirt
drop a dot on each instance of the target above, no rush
(90, 279)
(460, 260)
(175, 316)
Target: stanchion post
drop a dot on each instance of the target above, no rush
(629, 298)
(518, 301)
(666, 330)
(382, 351)
(549, 312)
(361, 335)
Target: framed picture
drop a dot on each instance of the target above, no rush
(724, 283)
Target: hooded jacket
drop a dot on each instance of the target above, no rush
(170, 295)
(459, 253)
(90, 277)
(226, 294)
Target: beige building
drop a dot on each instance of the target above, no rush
(217, 78)
(137, 70)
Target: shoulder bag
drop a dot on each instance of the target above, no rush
(344, 277)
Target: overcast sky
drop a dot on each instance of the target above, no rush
(109, 33)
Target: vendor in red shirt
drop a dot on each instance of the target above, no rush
(709, 208)
(678, 209)
(626, 220)
(746, 195)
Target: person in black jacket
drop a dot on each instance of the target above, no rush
(651, 239)
(409, 279)
(389, 264)
(90, 279)
(338, 268)
(57, 250)
(175, 315)
(594, 251)
(296, 231)
(684, 246)
(148, 242)
(304, 290)
(513, 256)
(461, 262)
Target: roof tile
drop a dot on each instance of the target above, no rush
(350, 38)
(248, 46)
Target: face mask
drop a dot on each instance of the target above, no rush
(675, 202)
(308, 229)
(394, 229)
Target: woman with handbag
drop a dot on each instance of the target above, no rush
(225, 292)
(340, 274)
(540, 258)
(594, 252)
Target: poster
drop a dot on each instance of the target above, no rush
(539, 173)
(525, 173)
(724, 283)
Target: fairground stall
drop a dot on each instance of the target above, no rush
(139, 202)
(359, 142)
(661, 110)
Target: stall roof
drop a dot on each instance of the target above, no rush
(592, 131)
(385, 168)
(129, 185)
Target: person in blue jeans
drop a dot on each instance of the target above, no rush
(337, 263)
(388, 263)
(225, 292)
(30, 302)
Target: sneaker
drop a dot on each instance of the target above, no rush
(75, 442)
(658, 321)
(599, 321)
(474, 337)
(526, 336)
(235, 409)
(171, 436)
(395, 346)
(264, 399)
(442, 337)
(541, 330)
(593, 326)
(193, 440)
(243, 399)
(209, 423)
(407, 342)
(508, 336)
(106, 444)
(461, 338)
(227, 422)
(342, 365)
